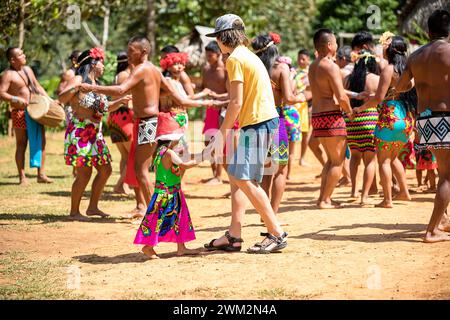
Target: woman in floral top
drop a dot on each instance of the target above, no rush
(84, 145)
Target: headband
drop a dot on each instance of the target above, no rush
(95, 53)
(275, 39)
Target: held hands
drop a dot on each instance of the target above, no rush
(362, 95)
(85, 87)
(126, 99)
(350, 115)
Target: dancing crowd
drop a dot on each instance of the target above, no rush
(368, 102)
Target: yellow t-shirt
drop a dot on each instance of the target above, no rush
(258, 103)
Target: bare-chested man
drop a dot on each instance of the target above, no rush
(16, 85)
(327, 120)
(214, 77)
(144, 84)
(430, 68)
(69, 73)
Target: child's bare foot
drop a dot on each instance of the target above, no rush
(384, 204)
(187, 252)
(44, 179)
(402, 197)
(150, 252)
(437, 236)
(96, 212)
(326, 205)
(24, 182)
(214, 182)
(77, 217)
(135, 213)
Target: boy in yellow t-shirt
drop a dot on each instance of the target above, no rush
(251, 100)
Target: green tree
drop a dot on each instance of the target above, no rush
(352, 15)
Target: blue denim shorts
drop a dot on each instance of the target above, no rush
(247, 162)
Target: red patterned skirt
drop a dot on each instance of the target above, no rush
(120, 124)
(328, 124)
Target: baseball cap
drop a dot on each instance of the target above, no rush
(225, 22)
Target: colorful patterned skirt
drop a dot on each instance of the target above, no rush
(167, 218)
(293, 123)
(426, 160)
(279, 149)
(120, 124)
(360, 131)
(328, 124)
(84, 145)
(407, 155)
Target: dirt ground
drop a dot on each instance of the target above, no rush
(349, 253)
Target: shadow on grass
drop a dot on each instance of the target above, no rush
(303, 189)
(106, 195)
(189, 196)
(50, 218)
(225, 228)
(139, 257)
(406, 233)
(34, 176)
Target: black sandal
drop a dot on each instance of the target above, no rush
(270, 244)
(225, 247)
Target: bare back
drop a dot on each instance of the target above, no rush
(430, 67)
(146, 92)
(320, 80)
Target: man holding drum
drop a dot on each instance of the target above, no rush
(16, 86)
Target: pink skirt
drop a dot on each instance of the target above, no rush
(167, 219)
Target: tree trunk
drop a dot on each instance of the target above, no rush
(107, 10)
(151, 26)
(21, 23)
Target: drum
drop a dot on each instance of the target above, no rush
(45, 111)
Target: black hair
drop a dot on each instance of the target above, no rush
(213, 47)
(344, 53)
(322, 37)
(361, 38)
(269, 55)
(357, 79)
(169, 49)
(85, 63)
(122, 65)
(9, 52)
(75, 54)
(439, 23)
(396, 55)
(142, 40)
(160, 143)
(304, 52)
